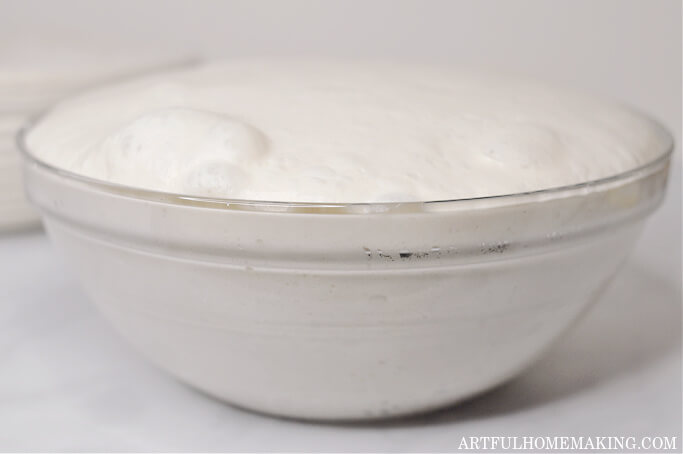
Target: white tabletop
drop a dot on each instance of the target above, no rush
(68, 382)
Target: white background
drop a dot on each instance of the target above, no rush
(67, 382)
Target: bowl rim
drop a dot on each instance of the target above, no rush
(153, 195)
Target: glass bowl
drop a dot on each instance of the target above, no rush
(343, 311)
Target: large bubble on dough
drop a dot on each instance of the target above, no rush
(181, 149)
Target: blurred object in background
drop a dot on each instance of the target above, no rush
(38, 70)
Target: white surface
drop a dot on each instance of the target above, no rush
(67, 382)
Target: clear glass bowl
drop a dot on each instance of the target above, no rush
(344, 311)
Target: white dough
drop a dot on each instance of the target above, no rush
(342, 131)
